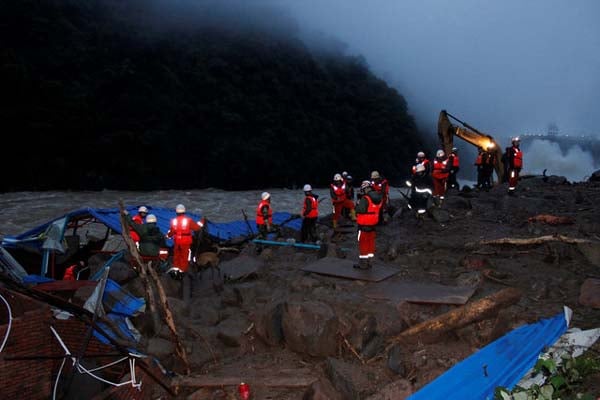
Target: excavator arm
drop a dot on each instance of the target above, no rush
(447, 131)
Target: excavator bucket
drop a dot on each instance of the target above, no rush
(447, 131)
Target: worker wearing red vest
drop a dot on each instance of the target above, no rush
(337, 191)
(264, 215)
(181, 230)
(453, 173)
(515, 163)
(421, 160)
(367, 218)
(72, 271)
(381, 185)
(439, 173)
(138, 219)
(310, 213)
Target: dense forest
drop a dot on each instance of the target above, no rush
(142, 95)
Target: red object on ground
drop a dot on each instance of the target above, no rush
(244, 390)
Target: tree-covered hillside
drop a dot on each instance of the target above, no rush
(128, 95)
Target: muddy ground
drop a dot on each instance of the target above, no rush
(281, 328)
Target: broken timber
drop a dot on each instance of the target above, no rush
(529, 241)
(145, 270)
(285, 378)
(430, 330)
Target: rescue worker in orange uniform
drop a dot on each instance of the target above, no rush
(381, 185)
(367, 218)
(138, 219)
(453, 173)
(72, 271)
(181, 230)
(514, 158)
(439, 173)
(479, 164)
(337, 191)
(310, 213)
(264, 215)
(423, 161)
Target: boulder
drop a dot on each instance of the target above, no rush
(310, 328)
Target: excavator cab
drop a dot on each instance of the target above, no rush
(447, 131)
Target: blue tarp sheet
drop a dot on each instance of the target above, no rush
(110, 217)
(501, 363)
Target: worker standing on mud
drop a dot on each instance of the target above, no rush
(138, 219)
(454, 168)
(421, 160)
(479, 164)
(440, 172)
(181, 230)
(151, 238)
(488, 160)
(514, 157)
(337, 191)
(310, 213)
(381, 185)
(367, 218)
(264, 215)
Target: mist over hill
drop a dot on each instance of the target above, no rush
(143, 95)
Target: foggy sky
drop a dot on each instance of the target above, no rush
(505, 67)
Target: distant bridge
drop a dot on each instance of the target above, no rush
(565, 142)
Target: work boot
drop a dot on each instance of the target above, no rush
(363, 264)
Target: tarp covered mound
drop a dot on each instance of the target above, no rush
(501, 363)
(110, 217)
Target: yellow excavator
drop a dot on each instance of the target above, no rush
(447, 131)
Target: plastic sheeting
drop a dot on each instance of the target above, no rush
(501, 363)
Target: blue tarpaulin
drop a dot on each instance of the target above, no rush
(501, 363)
(111, 218)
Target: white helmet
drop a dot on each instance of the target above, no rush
(365, 184)
(375, 175)
(344, 174)
(307, 188)
(421, 154)
(180, 209)
(440, 153)
(349, 178)
(142, 209)
(515, 139)
(265, 195)
(150, 218)
(454, 149)
(337, 177)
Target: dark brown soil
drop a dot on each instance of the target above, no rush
(549, 275)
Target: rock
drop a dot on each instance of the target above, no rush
(160, 347)
(470, 279)
(268, 324)
(591, 251)
(231, 331)
(590, 293)
(310, 328)
(395, 360)
(397, 390)
(349, 379)
(321, 390)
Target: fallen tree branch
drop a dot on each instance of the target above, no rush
(529, 241)
(349, 346)
(429, 331)
(145, 270)
(291, 378)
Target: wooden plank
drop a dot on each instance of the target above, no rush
(293, 378)
(343, 268)
(419, 292)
